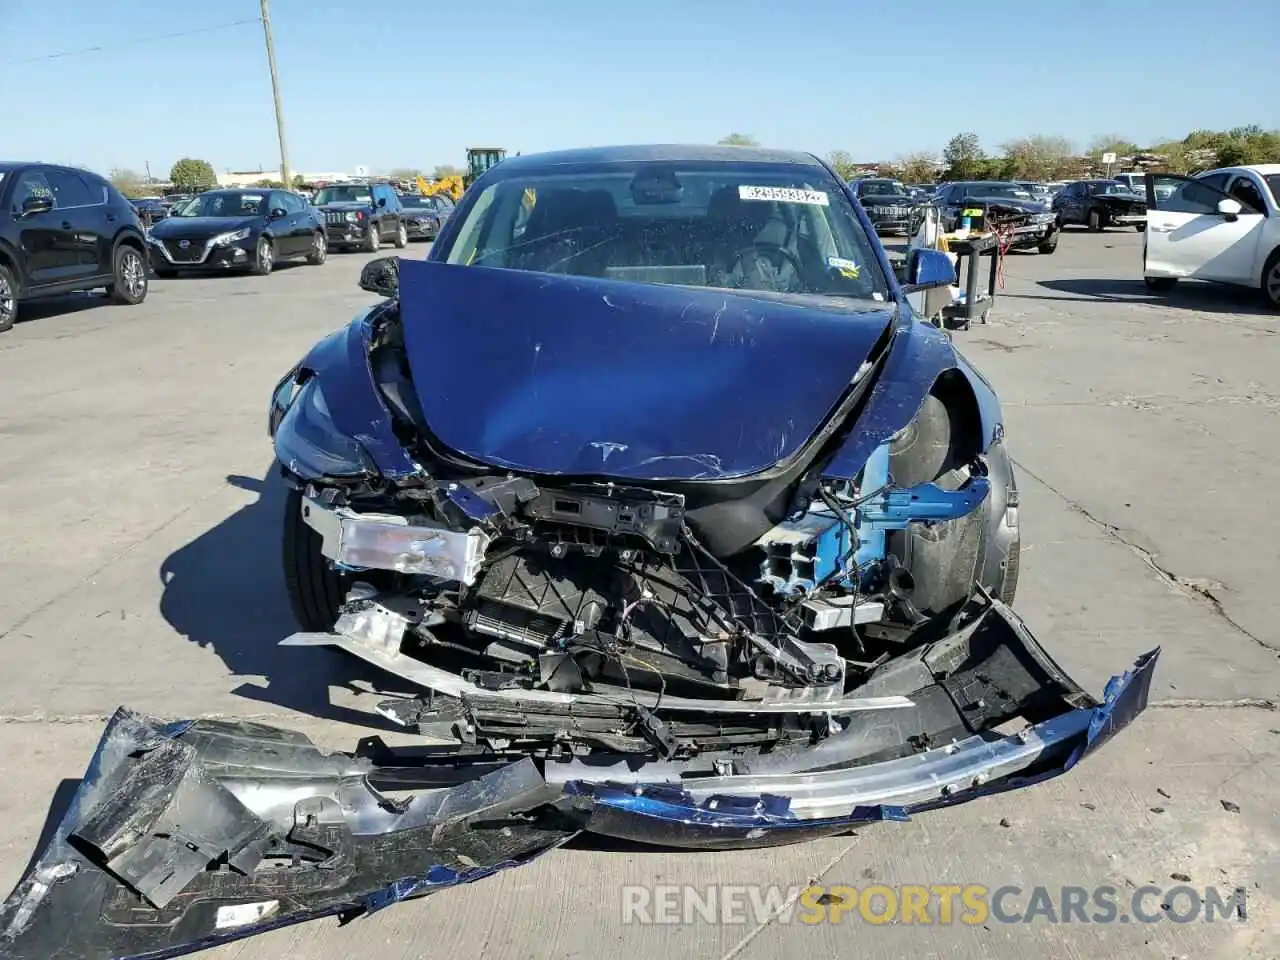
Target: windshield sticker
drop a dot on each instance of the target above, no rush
(817, 198)
(848, 268)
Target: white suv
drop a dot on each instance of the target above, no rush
(1221, 225)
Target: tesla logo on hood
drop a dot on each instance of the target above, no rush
(183, 244)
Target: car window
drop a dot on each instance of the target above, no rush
(1216, 180)
(294, 203)
(1188, 196)
(748, 226)
(33, 183)
(1246, 191)
(69, 190)
(345, 193)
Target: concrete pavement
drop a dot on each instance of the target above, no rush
(139, 566)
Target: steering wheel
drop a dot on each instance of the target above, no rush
(755, 251)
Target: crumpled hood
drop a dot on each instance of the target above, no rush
(1012, 203)
(573, 375)
(177, 228)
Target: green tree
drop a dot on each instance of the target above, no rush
(270, 184)
(445, 170)
(964, 156)
(842, 163)
(190, 174)
(739, 140)
(1038, 157)
(919, 167)
(299, 181)
(128, 182)
(1111, 143)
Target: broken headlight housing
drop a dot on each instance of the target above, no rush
(308, 442)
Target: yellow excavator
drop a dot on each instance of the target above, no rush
(479, 160)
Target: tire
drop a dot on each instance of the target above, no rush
(8, 299)
(374, 240)
(1157, 284)
(1096, 223)
(319, 250)
(1050, 244)
(264, 257)
(129, 278)
(316, 590)
(402, 236)
(1271, 280)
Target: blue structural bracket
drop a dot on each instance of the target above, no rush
(897, 509)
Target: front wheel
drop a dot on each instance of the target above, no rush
(315, 589)
(374, 240)
(8, 299)
(1271, 280)
(1095, 221)
(319, 250)
(1049, 245)
(129, 280)
(402, 236)
(264, 257)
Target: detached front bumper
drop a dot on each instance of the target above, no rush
(185, 835)
(1032, 235)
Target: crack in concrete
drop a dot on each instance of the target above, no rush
(790, 902)
(1189, 587)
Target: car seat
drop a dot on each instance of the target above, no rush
(570, 231)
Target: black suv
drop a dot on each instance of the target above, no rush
(361, 215)
(64, 230)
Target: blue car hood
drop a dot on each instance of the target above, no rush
(551, 374)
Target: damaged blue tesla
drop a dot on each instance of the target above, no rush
(686, 529)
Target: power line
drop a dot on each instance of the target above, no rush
(134, 42)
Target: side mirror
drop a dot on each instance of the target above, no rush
(278, 212)
(1230, 208)
(382, 201)
(927, 269)
(381, 276)
(34, 205)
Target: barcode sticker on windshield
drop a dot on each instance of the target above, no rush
(817, 198)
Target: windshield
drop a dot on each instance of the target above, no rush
(411, 200)
(1273, 181)
(1108, 189)
(1010, 190)
(779, 228)
(352, 193)
(222, 205)
(882, 188)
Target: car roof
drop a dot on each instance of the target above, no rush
(670, 152)
(1262, 169)
(987, 183)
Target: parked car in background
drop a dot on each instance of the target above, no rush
(1222, 225)
(362, 214)
(1039, 191)
(1099, 204)
(64, 230)
(424, 216)
(1137, 183)
(890, 205)
(250, 229)
(149, 209)
(1040, 229)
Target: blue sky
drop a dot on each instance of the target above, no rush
(390, 83)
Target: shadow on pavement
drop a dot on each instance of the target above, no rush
(58, 807)
(42, 308)
(1188, 295)
(225, 590)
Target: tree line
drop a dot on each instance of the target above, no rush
(1042, 157)
(1038, 157)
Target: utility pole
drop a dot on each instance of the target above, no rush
(275, 94)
